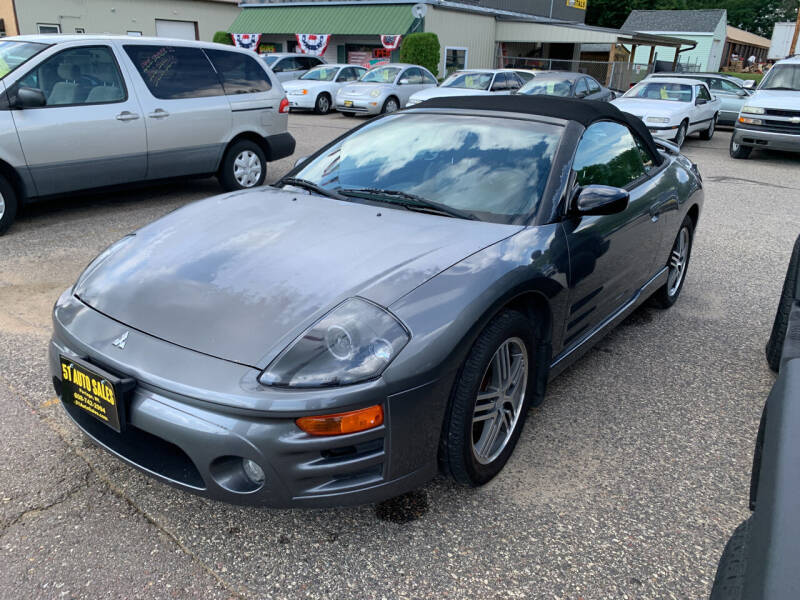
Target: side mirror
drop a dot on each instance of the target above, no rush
(581, 94)
(601, 200)
(28, 97)
(300, 161)
(700, 101)
(749, 84)
(404, 81)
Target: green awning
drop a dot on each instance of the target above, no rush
(380, 19)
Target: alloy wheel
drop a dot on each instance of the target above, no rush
(677, 262)
(2, 206)
(323, 104)
(247, 168)
(499, 401)
(391, 105)
(679, 139)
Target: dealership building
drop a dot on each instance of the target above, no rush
(475, 34)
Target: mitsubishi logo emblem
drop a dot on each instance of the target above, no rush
(121, 341)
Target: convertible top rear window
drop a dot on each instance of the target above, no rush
(492, 167)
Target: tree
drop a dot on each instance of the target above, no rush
(421, 49)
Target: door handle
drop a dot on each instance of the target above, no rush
(158, 113)
(127, 115)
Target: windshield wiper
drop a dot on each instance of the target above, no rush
(408, 201)
(310, 186)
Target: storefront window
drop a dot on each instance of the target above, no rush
(455, 59)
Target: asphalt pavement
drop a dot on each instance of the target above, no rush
(626, 482)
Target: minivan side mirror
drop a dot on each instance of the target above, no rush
(601, 200)
(28, 97)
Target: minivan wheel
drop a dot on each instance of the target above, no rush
(243, 167)
(323, 104)
(8, 205)
(739, 151)
(490, 401)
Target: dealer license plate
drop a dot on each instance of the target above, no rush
(348, 103)
(94, 391)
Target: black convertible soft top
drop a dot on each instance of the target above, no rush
(584, 112)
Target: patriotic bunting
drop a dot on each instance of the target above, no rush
(313, 43)
(391, 42)
(249, 41)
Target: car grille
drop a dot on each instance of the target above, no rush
(777, 126)
(775, 112)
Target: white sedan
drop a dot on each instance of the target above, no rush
(672, 107)
(473, 82)
(317, 88)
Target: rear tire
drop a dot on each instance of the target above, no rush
(323, 104)
(774, 349)
(729, 579)
(709, 133)
(8, 205)
(243, 167)
(738, 151)
(677, 265)
(490, 400)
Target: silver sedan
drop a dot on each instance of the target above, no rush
(383, 89)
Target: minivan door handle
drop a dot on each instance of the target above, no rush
(127, 115)
(158, 113)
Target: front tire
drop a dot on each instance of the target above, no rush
(490, 400)
(391, 105)
(244, 166)
(709, 133)
(677, 265)
(738, 151)
(774, 347)
(680, 137)
(323, 104)
(8, 205)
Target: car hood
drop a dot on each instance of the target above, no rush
(780, 99)
(300, 84)
(362, 89)
(645, 107)
(440, 92)
(239, 276)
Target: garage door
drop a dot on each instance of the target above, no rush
(182, 30)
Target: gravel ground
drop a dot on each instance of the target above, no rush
(625, 484)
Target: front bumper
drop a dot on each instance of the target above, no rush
(756, 138)
(194, 436)
(361, 105)
(306, 101)
(666, 133)
(280, 145)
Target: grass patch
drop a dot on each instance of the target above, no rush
(757, 77)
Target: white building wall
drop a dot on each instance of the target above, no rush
(459, 29)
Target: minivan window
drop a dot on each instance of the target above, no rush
(240, 74)
(607, 155)
(85, 75)
(175, 72)
(14, 54)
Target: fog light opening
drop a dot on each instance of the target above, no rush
(253, 471)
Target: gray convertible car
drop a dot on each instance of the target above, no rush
(389, 310)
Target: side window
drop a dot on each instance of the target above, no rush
(175, 72)
(86, 75)
(500, 83)
(313, 61)
(644, 153)
(240, 74)
(581, 89)
(513, 82)
(727, 86)
(289, 63)
(358, 72)
(345, 74)
(607, 155)
(428, 78)
(702, 92)
(594, 87)
(414, 76)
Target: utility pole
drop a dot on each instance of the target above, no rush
(796, 31)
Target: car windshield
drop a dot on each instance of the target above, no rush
(14, 54)
(782, 77)
(656, 90)
(321, 74)
(381, 75)
(490, 167)
(468, 81)
(547, 86)
(271, 59)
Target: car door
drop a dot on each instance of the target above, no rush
(611, 256)
(581, 89)
(91, 132)
(732, 97)
(187, 114)
(409, 82)
(705, 108)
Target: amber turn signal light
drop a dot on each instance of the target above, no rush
(341, 423)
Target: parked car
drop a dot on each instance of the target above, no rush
(316, 89)
(383, 89)
(290, 65)
(474, 82)
(770, 119)
(730, 91)
(566, 84)
(393, 306)
(94, 111)
(673, 107)
(759, 561)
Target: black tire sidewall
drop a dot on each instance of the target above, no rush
(685, 128)
(742, 153)
(226, 176)
(10, 198)
(458, 441)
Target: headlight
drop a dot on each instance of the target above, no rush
(753, 110)
(354, 342)
(658, 119)
(749, 121)
(376, 92)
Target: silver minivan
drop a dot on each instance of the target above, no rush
(288, 66)
(81, 112)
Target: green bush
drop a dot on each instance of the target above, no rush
(222, 37)
(421, 49)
